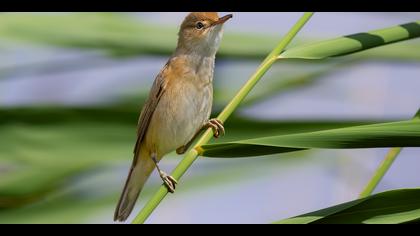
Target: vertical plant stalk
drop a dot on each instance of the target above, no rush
(383, 168)
(192, 155)
(380, 172)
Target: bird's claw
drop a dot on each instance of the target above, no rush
(169, 181)
(217, 126)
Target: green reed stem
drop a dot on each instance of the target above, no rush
(380, 172)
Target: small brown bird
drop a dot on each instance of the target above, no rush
(178, 107)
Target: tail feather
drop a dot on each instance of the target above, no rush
(137, 177)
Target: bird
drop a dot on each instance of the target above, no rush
(178, 107)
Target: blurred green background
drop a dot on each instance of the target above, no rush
(72, 86)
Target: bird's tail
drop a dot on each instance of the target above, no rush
(137, 177)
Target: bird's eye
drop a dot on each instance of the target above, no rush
(199, 25)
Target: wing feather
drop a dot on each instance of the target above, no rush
(138, 175)
(156, 92)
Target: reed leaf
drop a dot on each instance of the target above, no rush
(354, 43)
(390, 207)
(390, 134)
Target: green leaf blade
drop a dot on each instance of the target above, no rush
(390, 207)
(354, 43)
(389, 134)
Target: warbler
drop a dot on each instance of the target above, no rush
(178, 107)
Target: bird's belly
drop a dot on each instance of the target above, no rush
(179, 114)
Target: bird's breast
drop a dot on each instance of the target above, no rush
(182, 110)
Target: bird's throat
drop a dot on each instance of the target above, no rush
(203, 66)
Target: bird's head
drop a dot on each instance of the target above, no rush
(201, 32)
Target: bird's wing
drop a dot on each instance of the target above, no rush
(156, 92)
(139, 174)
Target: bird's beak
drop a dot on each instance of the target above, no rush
(222, 20)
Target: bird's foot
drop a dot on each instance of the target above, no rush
(217, 126)
(169, 181)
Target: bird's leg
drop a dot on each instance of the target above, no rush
(169, 181)
(215, 124)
